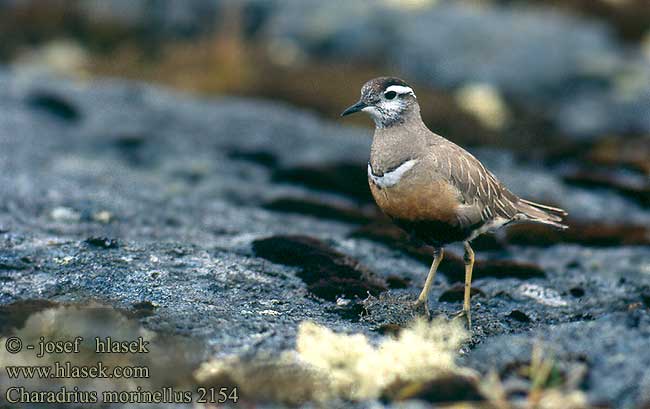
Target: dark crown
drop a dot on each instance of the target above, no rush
(377, 86)
(386, 82)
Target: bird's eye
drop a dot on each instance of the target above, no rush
(390, 94)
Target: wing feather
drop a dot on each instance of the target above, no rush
(484, 197)
(486, 201)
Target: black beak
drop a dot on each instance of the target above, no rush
(354, 108)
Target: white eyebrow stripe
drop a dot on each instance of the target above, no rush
(400, 89)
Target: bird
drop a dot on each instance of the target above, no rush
(432, 188)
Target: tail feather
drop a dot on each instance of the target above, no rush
(540, 213)
(554, 210)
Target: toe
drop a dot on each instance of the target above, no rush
(421, 307)
(465, 317)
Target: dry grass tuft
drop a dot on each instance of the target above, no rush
(549, 388)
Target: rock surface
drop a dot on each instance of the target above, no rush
(159, 204)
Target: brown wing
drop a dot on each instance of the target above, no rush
(484, 197)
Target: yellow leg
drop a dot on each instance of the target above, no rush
(469, 266)
(423, 299)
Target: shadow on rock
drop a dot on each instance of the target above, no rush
(322, 210)
(637, 189)
(328, 273)
(54, 105)
(346, 178)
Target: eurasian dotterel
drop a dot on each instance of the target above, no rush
(432, 188)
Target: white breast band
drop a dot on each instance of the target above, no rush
(391, 178)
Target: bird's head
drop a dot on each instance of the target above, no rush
(388, 100)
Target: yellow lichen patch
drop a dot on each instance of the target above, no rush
(359, 370)
(327, 365)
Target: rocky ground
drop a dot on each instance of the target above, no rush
(231, 221)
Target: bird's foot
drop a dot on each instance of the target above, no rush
(466, 318)
(421, 308)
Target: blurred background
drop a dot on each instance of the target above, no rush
(183, 162)
(545, 74)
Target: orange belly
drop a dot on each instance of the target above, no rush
(413, 201)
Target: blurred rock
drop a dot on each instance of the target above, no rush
(633, 186)
(578, 84)
(572, 71)
(529, 179)
(625, 152)
(167, 16)
(630, 18)
(585, 233)
(484, 102)
(62, 57)
(64, 214)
